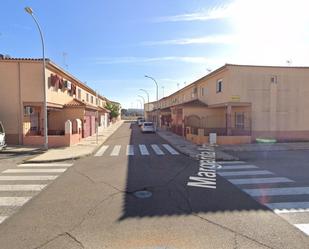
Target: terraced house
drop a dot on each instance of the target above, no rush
(239, 103)
(72, 106)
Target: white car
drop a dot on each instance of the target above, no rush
(2, 137)
(140, 122)
(148, 127)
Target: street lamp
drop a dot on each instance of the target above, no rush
(30, 12)
(149, 77)
(138, 100)
(143, 90)
(142, 98)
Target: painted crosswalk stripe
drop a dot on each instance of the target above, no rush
(45, 165)
(289, 207)
(130, 150)
(170, 149)
(143, 149)
(277, 191)
(34, 171)
(28, 178)
(230, 162)
(116, 150)
(2, 218)
(13, 201)
(23, 187)
(246, 173)
(303, 227)
(238, 167)
(157, 149)
(101, 151)
(260, 180)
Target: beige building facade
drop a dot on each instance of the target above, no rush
(68, 100)
(240, 103)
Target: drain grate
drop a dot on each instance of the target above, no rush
(143, 194)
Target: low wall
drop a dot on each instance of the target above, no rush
(53, 141)
(197, 139)
(282, 136)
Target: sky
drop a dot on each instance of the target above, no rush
(111, 45)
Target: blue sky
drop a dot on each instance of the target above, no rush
(111, 45)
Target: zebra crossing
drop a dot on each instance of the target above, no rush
(19, 185)
(259, 184)
(133, 150)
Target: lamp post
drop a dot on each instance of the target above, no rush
(30, 12)
(138, 100)
(157, 104)
(142, 98)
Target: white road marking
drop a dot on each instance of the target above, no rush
(170, 149)
(28, 178)
(2, 218)
(143, 150)
(277, 191)
(14, 201)
(260, 180)
(303, 227)
(157, 149)
(225, 167)
(229, 162)
(101, 151)
(246, 173)
(130, 150)
(34, 171)
(45, 165)
(116, 150)
(24, 187)
(289, 207)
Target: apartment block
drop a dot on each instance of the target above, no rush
(239, 103)
(73, 108)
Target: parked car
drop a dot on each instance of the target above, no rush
(138, 119)
(148, 127)
(2, 137)
(140, 122)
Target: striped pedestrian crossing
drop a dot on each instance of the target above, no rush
(246, 173)
(34, 171)
(13, 201)
(135, 150)
(250, 181)
(143, 150)
(40, 165)
(27, 179)
(101, 151)
(23, 187)
(157, 149)
(246, 177)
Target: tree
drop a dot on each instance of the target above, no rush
(113, 108)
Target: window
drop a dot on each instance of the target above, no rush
(273, 79)
(202, 90)
(219, 87)
(28, 110)
(79, 93)
(91, 99)
(239, 120)
(96, 101)
(87, 97)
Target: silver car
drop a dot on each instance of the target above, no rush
(2, 137)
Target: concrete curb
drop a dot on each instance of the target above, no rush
(32, 160)
(220, 155)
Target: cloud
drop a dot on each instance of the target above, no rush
(216, 39)
(136, 60)
(219, 12)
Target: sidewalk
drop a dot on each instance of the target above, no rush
(85, 148)
(21, 149)
(190, 149)
(266, 147)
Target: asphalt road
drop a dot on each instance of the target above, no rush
(93, 205)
